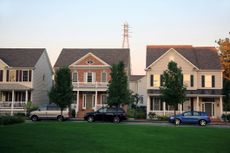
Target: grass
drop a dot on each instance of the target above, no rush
(72, 137)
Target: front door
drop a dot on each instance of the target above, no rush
(208, 108)
(89, 101)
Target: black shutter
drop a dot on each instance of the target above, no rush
(151, 80)
(203, 81)
(191, 80)
(17, 75)
(1, 75)
(7, 75)
(20, 75)
(30, 75)
(213, 81)
(161, 78)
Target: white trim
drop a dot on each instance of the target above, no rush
(84, 101)
(171, 49)
(89, 54)
(4, 63)
(106, 80)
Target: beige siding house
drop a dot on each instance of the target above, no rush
(25, 75)
(202, 74)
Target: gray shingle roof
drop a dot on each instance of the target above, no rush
(21, 57)
(110, 56)
(135, 77)
(201, 57)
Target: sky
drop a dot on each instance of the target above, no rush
(57, 24)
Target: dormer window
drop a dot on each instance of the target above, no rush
(90, 62)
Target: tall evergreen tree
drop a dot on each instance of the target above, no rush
(118, 92)
(62, 91)
(173, 89)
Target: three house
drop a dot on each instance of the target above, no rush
(26, 75)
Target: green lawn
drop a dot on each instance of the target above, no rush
(73, 137)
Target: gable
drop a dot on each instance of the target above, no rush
(172, 55)
(2, 64)
(89, 60)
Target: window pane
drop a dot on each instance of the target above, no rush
(208, 81)
(191, 80)
(186, 79)
(157, 104)
(213, 81)
(156, 81)
(25, 76)
(103, 77)
(89, 77)
(103, 99)
(151, 80)
(74, 77)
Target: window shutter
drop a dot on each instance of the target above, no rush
(191, 80)
(85, 76)
(20, 75)
(30, 75)
(151, 80)
(7, 75)
(1, 75)
(161, 78)
(213, 81)
(203, 81)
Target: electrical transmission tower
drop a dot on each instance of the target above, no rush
(125, 43)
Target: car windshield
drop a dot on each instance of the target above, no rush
(102, 110)
(187, 114)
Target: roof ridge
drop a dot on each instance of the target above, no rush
(169, 46)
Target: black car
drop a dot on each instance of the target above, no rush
(106, 114)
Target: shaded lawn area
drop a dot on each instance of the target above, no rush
(72, 137)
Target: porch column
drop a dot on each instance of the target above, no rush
(221, 106)
(197, 103)
(164, 107)
(26, 96)
(148, 106)
(12, 104)
(77, 104)
(180, 108)
(95, 105)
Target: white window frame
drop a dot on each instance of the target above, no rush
(105, 77)
(27, 75)
(101, 101)
(73, 77)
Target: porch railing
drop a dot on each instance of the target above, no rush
(16, 104)
(90, 84)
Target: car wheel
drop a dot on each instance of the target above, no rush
(90, 119)
(34, 118)
(177, 121)
(60, 118)
(116, 119)
(203, 123)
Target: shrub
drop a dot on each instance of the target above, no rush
(162, 118)
(20, 114)
(73, 113)
(152, 115)
(6, 120)
(137, 113)
(226, 117)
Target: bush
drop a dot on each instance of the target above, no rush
(20, 114)
(152, 115)
(162, 118)
(73, 113)
(137, 113)
(226, 117)
(6, 120)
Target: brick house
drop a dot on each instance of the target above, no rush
(25, 75)
(202, 74)
(90, 70)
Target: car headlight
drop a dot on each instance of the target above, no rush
(171, 118)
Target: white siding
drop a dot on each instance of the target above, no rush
(42, 80)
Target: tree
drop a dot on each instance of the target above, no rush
(224, 48)
(226, 93)
(118, 92)
(173, 89)
(62, 91)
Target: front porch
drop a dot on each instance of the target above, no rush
(88, 101)
(212, 105)
(13, 99)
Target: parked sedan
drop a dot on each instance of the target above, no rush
(106, 114)
(192, 117)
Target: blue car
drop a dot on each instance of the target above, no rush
(192, 117)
